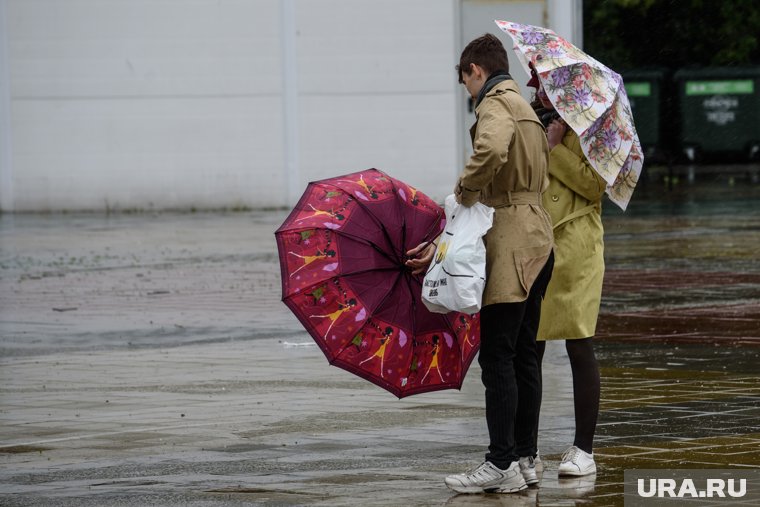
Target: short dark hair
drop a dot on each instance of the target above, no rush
(487, 51)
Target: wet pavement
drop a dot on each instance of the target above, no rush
(147, 360)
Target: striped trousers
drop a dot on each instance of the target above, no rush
(511, 373)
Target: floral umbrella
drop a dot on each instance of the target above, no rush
(591, 99)
(342, 253)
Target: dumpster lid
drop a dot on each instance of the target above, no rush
(717, 73)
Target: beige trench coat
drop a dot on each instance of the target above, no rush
(574, 201)
(508, 170)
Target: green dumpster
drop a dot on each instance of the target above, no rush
(645, 93)
(719, 112)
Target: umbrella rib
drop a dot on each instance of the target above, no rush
(374, 245)
(390, 291)
(382, 227)
(403, 219)
(430, 232)
(372, 215)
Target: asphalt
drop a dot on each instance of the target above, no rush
(146, 359)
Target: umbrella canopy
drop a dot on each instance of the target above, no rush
(591, 99)
(342, 253)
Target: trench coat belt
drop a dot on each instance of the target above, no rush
(515, 198)
(576, 214)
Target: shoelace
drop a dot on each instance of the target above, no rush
(571, 454)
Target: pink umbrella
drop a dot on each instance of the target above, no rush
(342, 253)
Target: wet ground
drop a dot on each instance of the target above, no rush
(147, 360)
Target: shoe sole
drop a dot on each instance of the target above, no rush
(579, 473)
(465, 489)
(507, 490)
(478, 489)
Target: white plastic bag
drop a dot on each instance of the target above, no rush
(456, 278)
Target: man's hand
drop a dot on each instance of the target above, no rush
(422, 256)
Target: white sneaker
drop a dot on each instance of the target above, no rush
(528, 470)
(576, 462)
(487, 478)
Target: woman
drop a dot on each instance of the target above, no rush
(571, 305)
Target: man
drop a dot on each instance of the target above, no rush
(508, 171)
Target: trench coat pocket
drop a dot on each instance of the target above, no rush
(529, 262)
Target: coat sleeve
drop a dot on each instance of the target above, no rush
(573, 169)
(495, 129)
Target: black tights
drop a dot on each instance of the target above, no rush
(585, 388)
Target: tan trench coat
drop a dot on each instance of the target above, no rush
(508, 170)
(574, 201)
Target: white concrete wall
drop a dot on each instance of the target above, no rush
(178, 103)
(143, 103)
(566, 18)
(378, 89)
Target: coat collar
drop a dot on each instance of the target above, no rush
(496, 78)
(503, 87)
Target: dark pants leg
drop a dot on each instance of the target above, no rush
(510, 373)
(586, 389)
(540, 350)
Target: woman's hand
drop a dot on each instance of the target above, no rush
(422, 256)
(555, 132)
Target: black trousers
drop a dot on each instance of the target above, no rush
(510, 373)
